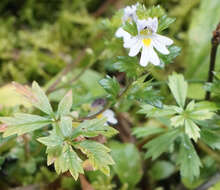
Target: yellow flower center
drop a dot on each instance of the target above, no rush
(147, 41)
(99, 116)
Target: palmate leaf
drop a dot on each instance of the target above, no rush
(188, 159)
(161, 144)
(98, 155)
(178, 87)
(92, 128)
(23, 123)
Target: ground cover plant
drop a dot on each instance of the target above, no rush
(110, 95)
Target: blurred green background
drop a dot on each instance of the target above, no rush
(39, 38)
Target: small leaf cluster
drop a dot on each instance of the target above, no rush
(185, 122)
(68, 144)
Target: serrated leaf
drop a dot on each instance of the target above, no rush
(127, 64)
(23, 123)
(128, 170)
(177, 121)
(71, 161)
(65, 104)
(111, 86)
(93, 128)
(66, 126)
(178, 87)
(152, 111)
(188, 159)
(192, 130)
(52, 140)
(161, 144)
(164, 23)
(147, 131)
(167, 59)
(131, 28)
(211, 138)
(42, 102)
(203, 110)
(98, 155)
(53, 152)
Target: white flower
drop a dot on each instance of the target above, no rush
(147, 39)
(109, 115)
(129, 15)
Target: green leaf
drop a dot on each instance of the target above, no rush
(142, 91)
(131, 28)
(203, 110)
(162, 170)
(152, 111)
(178, 87)
(42, 102)
(192, 130)
(98, 155)
(93, 128)
(68, 160)
(23, 123)
(65, 104)
(127, 64)
(211, 138)
(167, 59)
(128, 170)
(66, 126)
(71, 161)
(164, 23)
(188, 159)
(147, 131)
(52, 140)
(177, 121)
(111, 86)
(161, 144)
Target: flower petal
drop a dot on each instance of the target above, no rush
(154, 59)
(134, 50)
(145, 56)
(122, 33)
(130, 42)
(160, 47)
(162, 39)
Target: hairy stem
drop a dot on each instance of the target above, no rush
(215, 42)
